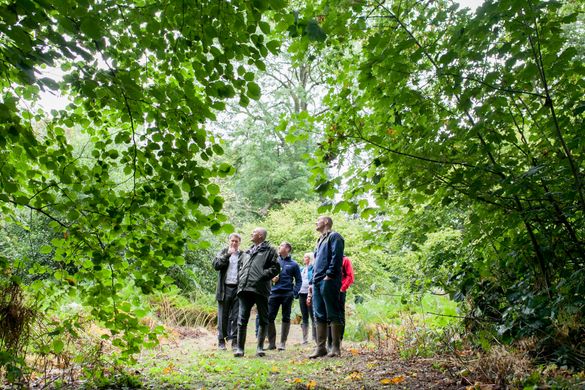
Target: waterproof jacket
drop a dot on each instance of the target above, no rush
(289, 270)
(221, 264)
(328, 257)
(257, 269)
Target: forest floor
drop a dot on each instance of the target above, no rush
(190, 359)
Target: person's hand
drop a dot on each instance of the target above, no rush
(309, 300)
(327, 278)
(275, 279)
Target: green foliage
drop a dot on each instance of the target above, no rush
(141, 82)
(481, 113)
(268, 142)
(417, 326)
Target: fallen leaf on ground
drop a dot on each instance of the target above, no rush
(311, 385)
(392, 381)
(355, 376)
(168, 369)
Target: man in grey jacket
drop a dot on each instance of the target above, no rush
(259, 265)
(226, 262)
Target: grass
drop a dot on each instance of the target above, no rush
(220, 370)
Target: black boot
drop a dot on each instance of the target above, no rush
(336, 334)
(283, 335)
(241, 341)
(221, 344)
(261, 336)
(271, 336)
(235, 344)
(321, 339)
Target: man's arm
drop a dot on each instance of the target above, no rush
(222, 260)
(336, 246)
(271, 267)
(298, 281)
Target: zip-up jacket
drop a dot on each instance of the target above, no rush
(257, 269)
(328, 257)
(289, 270)
(221, 264)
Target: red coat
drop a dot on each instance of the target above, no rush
(346, 274)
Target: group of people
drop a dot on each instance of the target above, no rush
(270, 279)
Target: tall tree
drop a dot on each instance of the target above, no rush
(270, 140)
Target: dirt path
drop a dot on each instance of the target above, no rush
(190, 360)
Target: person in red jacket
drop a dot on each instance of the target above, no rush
(347, 278)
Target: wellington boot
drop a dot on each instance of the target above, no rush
(271, 336)
(329, 338)
(241, 341)
(321, 339)
(261, 336)
(283, 335)
(336, 332)
(305, 329)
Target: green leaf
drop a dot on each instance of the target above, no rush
(58, 346)
(253, 90)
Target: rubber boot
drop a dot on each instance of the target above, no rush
(329, 338)
(241, 341)
(336, 332)
(283, 335)
(305, 328)
(234, 344)
(271, 336)
(321, 339)
(261, 336)
(221, 345)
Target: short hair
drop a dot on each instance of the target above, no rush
(311, 257)
(288, 245)
(235, 235)
(328, 220)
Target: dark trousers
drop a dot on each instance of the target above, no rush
(227, 314)
(275, 302)
(342, 296)
(326, 303)
(306, 310)
(247, 300)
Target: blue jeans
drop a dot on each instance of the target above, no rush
(326, 304)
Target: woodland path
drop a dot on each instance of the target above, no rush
(190, 360)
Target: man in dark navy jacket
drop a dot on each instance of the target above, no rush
(325, 288)
(285, 289)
